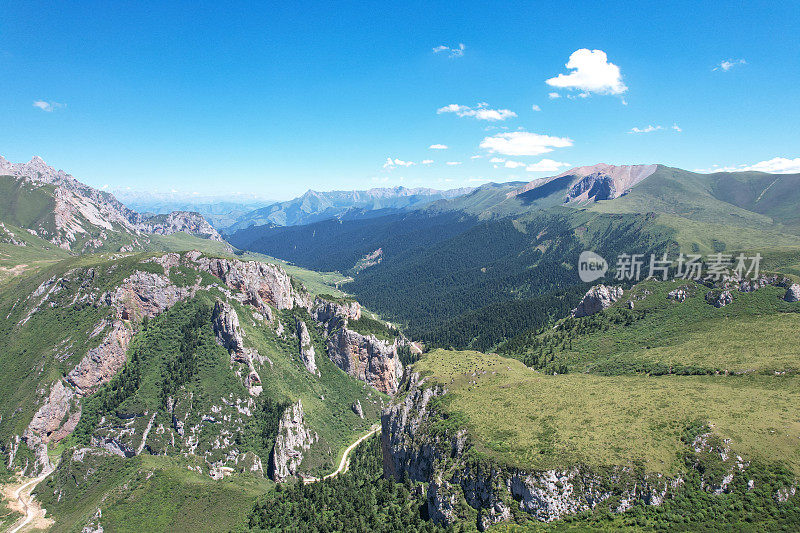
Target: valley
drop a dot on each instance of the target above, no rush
(435, 360)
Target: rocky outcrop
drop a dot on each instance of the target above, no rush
(367, 358)
(101, 364)
(325, 311)
(307, 354)
(177, 221)
(598, 298)
(679, 294)
(460, 487)
(261, 284)
(719, 298)
(226, 327)
(229, 335)
(356, 407)
(147, 294)
(792, 293)
(58, 416)
(293, 439)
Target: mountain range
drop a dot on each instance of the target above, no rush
(53, 205)
(404, 359)
(314, 206)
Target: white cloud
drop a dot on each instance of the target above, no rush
(497, 160)
(591, 73)
(546, 165)
(392, 163)
(553, 96)
(426, 161)
(480, 112)
(648, 129)
(456, 51)
(438, 147)
(776, 165)
(513, 164)
(523, 143)
(729, 64)
(676, 127)
(49, 107)
(453, 163)
(536, 107)
(475, 156)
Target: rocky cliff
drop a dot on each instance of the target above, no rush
(83, 217)
(307, 353)
(596, 299)
(463, 485)
(367, 358)
(293, 439)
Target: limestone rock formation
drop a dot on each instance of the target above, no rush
(679, 294)
(80, 210)
(293, 439)
(261, 284)
(367, 358)
(101, 363)
(596, 299)
(177, 221)
(792, 293)
(442, 460)
(324, 311)
(307, 354)
(719, 298)
(57, 417)
(229, 335)
(356, 407)
(226, 327)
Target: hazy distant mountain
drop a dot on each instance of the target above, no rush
(315, 206)
(54, 206)
(219, 212)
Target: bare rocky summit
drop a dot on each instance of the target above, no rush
(596, 299)
(595, 182)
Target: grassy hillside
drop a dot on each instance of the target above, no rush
(25, 205)
(523, 418)
(175, 355)
(753, 334)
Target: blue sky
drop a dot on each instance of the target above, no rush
(274, 99)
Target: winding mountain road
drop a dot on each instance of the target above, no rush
(344, 464)
(27, 506)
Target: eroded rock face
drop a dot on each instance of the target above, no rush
(82, 210)
(792, 293)
(366, 358)
(186, 221)
(262, 284)
(226, 327)
(307, 354)
(101, 363)
(325, 311)
(442, 460)
(356, 407)
(230, 336)
(147, 294)
(598, 298)
(293, 439)
(58, 416)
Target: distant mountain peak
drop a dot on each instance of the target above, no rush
(594, 182)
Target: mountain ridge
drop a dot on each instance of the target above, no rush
(72, 213)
